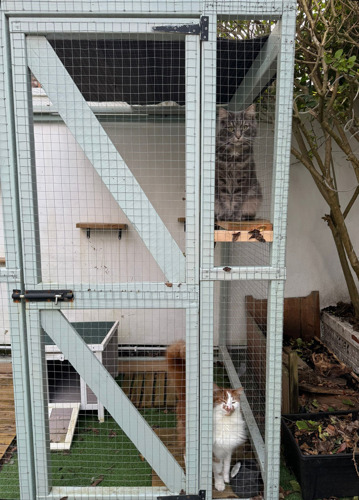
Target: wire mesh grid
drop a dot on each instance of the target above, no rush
(79, 238)
(108, 144)
(243, 210)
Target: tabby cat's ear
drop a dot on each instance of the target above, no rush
(251, 111)
(222, 113)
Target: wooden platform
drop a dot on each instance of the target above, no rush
(146, 384)
(7, 408)
(102, 226)
(259, 230)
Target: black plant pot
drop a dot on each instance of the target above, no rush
(320, 476)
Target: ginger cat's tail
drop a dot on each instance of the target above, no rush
(176, 366)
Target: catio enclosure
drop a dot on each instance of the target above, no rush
(108, 179)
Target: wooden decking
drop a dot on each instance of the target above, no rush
(146, 384)
(7, 408)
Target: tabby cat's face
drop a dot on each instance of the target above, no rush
(235, 130)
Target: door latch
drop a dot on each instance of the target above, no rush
(43, 296)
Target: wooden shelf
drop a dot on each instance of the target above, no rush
(108, 226)
(2, 261)
(260, 230)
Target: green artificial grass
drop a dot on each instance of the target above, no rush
(9, 480)
(100, 454)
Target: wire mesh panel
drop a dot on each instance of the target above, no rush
(244, 194)
(106, 128)
(149, 195)
(13, 382)
(241, 206)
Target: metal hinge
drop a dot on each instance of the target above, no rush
(201, 496)
(200, 29)
(43, 295)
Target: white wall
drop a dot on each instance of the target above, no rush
(70, 191)
(312, 261)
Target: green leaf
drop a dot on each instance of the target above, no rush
(328, 58)
(314, 423)
(302, 425)
(295, 486)
(338, 54)
(315, 403)
(348, 402)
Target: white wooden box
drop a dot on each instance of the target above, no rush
(65, 385)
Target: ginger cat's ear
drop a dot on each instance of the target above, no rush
(215, 387)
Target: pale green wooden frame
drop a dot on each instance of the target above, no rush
(130, 295)
(107, 161)
(113, 398)
(12, 274)
(276, 9)
(250, 9)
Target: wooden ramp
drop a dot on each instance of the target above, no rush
(7, 408)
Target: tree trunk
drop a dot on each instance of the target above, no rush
(352, 288)
(339, 222)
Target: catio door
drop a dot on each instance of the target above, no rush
(107, 142)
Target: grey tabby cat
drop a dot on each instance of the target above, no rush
(238, 194)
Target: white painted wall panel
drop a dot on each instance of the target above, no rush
(71, 192)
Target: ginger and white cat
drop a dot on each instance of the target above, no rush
(228, 423)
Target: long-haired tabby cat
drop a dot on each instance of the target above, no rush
(228, 423)
(238, 194)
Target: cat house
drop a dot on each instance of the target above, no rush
(144, 184)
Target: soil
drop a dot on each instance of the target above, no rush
(345, 312)
(325, 383)
(329, 435)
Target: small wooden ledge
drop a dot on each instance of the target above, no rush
(2, 261)
(244, 231)
(108, 226)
